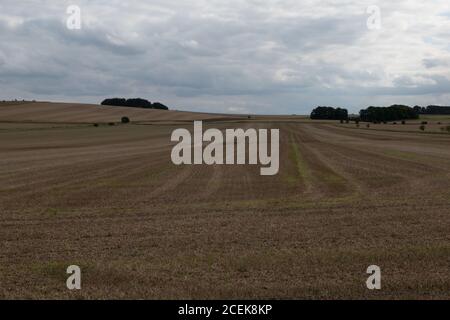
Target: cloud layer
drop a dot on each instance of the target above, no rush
(253, 56)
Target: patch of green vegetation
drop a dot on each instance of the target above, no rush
(54, 269)
(302, 173)
(331, 177)
(401, 154)
(291, 180)
(8, 190)
(434, 117)
(340, 186)
(50, 212)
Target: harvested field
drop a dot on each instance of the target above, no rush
(110, 200)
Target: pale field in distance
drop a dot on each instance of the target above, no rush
(109, 199)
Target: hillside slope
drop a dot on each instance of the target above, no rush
(88, 113)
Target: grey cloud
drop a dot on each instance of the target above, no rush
(260, 56)
(434, 63)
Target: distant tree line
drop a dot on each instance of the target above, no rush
(134, 103)
(392, 113)
(329, 113)
(371, 114)
(432, 110)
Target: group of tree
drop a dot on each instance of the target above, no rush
(393, 113)
(134, 103)
(432, 110)
(329, 113)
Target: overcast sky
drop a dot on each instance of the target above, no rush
(244, 56)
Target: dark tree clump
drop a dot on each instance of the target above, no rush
(139, 103)
(134, 103)
(384, 114)
(329, 113)
(115, 102)
(441, 110)
(160, 106)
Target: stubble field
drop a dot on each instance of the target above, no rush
(110, 200)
